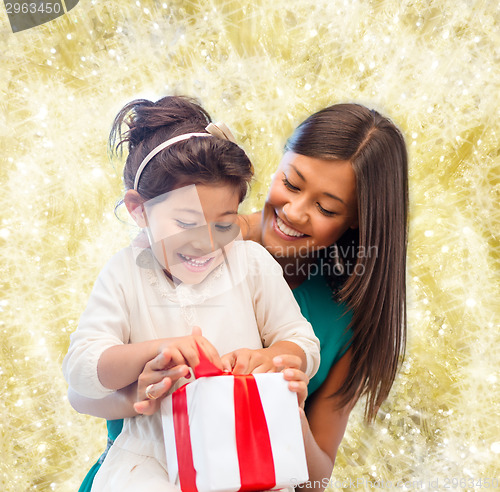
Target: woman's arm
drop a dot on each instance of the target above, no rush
(325, 425)
(117, 405)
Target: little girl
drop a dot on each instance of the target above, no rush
(185, 179)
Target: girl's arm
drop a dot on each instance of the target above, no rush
(324, 425)
(120, 365)
(159, 375)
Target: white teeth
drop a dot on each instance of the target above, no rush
(287, 230)
(193, 261)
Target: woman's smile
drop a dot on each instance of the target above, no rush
(284, 230)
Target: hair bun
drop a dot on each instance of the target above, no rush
(173, 114)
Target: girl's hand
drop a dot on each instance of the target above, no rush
(158, 376)
(184, 350)
(290, 366)
(171, 364)
(246, 361)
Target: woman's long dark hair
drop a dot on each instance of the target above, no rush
(377, 297)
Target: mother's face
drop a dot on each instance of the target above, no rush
(311, 203)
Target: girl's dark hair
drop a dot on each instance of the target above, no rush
(376, 149)
(193, 161)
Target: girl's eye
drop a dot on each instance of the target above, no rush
(185, 225)
(328, 213)
(224, 227)
(289, 185)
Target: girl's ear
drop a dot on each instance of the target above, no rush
(133, 202)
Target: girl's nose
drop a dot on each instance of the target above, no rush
(203, 240)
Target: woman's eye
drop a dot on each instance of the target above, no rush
(289, 185)
(328, 213)
(224, 227)
(185, 225)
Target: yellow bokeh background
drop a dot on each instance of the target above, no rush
(261, 66)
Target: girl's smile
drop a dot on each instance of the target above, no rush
(196, 264)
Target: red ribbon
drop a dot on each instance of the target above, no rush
(205, 368)
(187, 473)
(253, 445)
(255, 455)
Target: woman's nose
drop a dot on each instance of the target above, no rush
(295, 212)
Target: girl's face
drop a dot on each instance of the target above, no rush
(189, 227)
(311, 203)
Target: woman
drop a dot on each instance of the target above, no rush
(336, 220)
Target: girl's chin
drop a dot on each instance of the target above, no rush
(184, 276)
(187, 273)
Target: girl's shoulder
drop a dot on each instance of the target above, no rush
(255, 251)
(259, 262)
(121, 263)
(123, 257)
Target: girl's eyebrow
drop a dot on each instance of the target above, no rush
(188, 210)
(299, 174)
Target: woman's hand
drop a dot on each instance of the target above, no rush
(297, 379)
(158, 376)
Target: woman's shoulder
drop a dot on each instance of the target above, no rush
(250, 226)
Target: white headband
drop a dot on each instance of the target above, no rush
(219, 130)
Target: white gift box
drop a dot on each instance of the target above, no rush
(215, 445)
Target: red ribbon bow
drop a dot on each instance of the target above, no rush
(253, 445)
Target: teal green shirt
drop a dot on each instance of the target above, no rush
(329, 320)
(114, 428)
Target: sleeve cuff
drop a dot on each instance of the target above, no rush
(312, 356)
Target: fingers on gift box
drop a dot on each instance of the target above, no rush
(229, 433)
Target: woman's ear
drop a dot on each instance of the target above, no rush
(134, 203)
